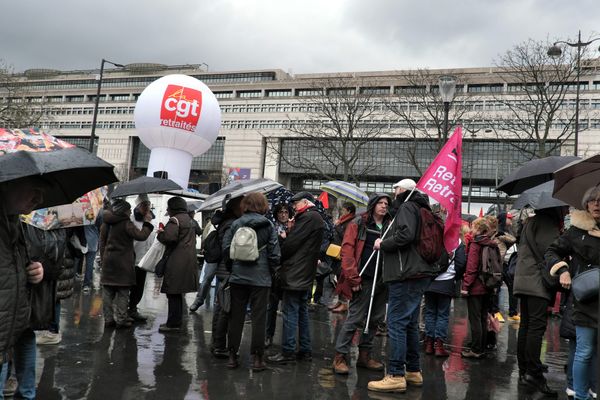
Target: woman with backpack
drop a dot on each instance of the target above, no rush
(479, 296)
(438, 298)
(253, 248)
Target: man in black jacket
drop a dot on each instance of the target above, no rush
(299, 256)
(408, 275)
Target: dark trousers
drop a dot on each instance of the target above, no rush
(220, 323)
(175, 313)
(258, 298)
(136, 292)
(319, 288)
(275, 295)
(531, 333)
(478, 307)
(357, 317)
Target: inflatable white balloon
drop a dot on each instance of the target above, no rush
(177, 117)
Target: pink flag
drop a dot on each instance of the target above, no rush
(443, 182)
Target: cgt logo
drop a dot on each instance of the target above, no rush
(181, 108)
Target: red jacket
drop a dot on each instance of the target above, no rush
(471, 281)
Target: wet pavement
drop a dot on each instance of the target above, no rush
(140, 363)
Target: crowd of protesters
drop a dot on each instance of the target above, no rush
(265, 258)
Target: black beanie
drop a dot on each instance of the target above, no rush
(177, 204)
(120, 206)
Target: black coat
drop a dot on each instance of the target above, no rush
(300, 251)
(580, 243)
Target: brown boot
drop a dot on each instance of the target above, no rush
(258, 363)
(365, 361)
(343, 307)
(429, 345)
(340, 366)
(233, 360)
(439, 349)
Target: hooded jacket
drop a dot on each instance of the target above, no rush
(300, 251)
(401, 260)
(116, 248)
(254, 273)
(580, 243)
(471, 282)
(537, 234)
(14, 293)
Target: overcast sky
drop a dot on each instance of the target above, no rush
(298, 36)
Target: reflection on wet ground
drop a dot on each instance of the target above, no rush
(140, 363)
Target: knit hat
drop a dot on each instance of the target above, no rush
(120, 206)
(302, 195)
(177, 204)
(142, 198)
(407, 184)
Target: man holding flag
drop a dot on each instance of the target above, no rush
(405, 268)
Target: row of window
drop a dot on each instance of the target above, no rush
(90, 110)
(88, 125)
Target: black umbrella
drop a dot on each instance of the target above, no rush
(70, 171)
(237, 189)
(144, 184)
(572, 181)
(539, 197)
(533, 173)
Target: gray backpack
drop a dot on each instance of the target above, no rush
(244, 245)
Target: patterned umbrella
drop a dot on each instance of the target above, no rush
(69, 171)
(346, 190)
(237, 189)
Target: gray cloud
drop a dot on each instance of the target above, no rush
(308, 36)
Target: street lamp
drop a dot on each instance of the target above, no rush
(472, 150)
(447, 86)
(554, 52)
(97, 100)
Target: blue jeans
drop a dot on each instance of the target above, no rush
(55, 325)
(572, 348)
(582, 363)
(24, 361)
(88, 278)
(295, 320)
(437, 312)
(209, 271)
(403, 324)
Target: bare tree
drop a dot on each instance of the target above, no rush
(420, 112)
(17, 109)
(536, 111)
(333, 137)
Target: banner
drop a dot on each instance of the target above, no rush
(443, 182)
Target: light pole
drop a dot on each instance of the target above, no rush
(556, 51)
(472, 150)
(447, 86)
(97, 100)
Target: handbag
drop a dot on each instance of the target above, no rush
(334, 251)
(493, 325)
(585, 285)
(152, 257)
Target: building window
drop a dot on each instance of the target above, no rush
(309, 92)
(223, 95)
(383, 90)
(249, 93)
(279, 93)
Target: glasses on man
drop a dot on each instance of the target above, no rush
(595, 201)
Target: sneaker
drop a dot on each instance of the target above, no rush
(220, 353)
(282, 358)
(389, 384)
(10, 387)
(592, 393)
(514, 318)
(570, 392)
(86, 290)
(499, 317)
(472, 354)
(304, 356)
(164, 328)
(47, 337)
